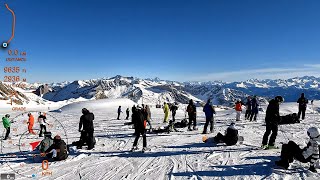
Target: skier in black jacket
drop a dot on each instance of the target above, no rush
(254, 108)
(248, 108)
(119, 112)
(128, 113)
(192, 112)
(174, 109)
(272, 120)
(140, 123)
(58, 149)
(86, 121)
(302, 106)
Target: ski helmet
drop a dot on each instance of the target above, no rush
(7, 116)
(279, 99)
(313, 132)
(85, 111)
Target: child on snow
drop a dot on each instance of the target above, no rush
(308, 154)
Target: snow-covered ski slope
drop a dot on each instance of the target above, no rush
(178, 155)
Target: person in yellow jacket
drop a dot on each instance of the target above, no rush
(166, 111)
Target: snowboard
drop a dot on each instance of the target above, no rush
(205, 139)
(267, 148)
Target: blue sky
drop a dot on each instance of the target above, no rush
(172, 39)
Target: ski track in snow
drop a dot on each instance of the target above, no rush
(174, 156)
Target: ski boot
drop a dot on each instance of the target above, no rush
(134, 148)
(272, 147)
(195, 128)
(282, 164)
(144, 149)
(264, 146)
(313, 169)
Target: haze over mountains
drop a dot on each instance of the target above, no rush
(155, 91)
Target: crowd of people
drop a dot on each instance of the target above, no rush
(56, 149)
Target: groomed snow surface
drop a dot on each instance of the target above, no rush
(178, 155)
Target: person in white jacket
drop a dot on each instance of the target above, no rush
(309, 154)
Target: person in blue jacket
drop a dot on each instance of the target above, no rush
(208, 109)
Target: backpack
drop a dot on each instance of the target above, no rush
(139, 120)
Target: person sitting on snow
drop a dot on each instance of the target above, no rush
(310, 153)
(230, 138)
(46, 142)
(58, 149)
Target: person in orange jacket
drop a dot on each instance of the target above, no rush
(239, 110)
(30, 123)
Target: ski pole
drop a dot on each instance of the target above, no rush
(313, 110)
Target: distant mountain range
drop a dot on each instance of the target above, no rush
(155, 91)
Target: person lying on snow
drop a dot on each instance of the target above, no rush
(230, 138)
(58, 150)
(309, 154)
(171, 127)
